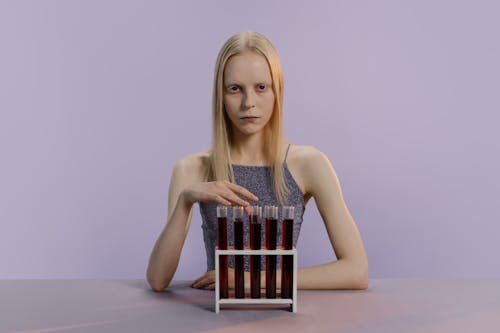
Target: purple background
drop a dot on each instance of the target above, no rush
(98, 100)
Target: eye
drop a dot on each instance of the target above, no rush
(233, 88)
(262, 87)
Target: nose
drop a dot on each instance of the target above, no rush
(248, 101)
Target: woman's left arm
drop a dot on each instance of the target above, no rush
(350, 271)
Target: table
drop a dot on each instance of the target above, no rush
(389, 305)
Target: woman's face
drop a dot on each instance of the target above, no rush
(248, 92)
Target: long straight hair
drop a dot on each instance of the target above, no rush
(219, 167)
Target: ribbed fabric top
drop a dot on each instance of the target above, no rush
(258, 180)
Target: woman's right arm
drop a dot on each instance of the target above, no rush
(186, 188)
(166, 252)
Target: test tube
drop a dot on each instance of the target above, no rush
(239, 269)
(254, 219)
(287, 260)
(271, 216)
(222, 245)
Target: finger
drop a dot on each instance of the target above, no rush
(198, 285)
(243, 191)
(200, 278)
(233, 198)
(199, 281)
(205, 280)
(220, 199)
(211, 286)
(221, 193)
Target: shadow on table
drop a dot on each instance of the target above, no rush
(178, 292)
(181, 292)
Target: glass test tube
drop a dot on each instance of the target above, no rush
(287, 260)
(254, 219)
(222, 245)
(271, 216)
(239, 270)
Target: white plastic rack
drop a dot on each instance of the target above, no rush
(292, 302)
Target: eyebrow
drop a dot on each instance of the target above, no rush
(227, 85)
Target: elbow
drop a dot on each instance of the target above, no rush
(156, 285)
(358, 277)
(361, 280)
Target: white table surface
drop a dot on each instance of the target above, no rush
(389, 305)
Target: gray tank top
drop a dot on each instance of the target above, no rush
(258, 180)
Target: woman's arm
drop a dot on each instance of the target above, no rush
(350, 271)
(187, 187)
(165, 256)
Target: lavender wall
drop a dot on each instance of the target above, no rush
(98, 100)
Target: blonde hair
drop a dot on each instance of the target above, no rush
(219, 167)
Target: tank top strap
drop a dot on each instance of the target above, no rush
(286, 154)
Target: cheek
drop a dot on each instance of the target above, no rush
(231, 106)
(228, 104)
(268, 102)
(232, 101)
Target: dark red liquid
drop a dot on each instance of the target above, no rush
(222, 245)
(271, 230)
(222, 233)
(287, 260)
(239, 270)
(287, 233)
(255, 230)
(286, 276)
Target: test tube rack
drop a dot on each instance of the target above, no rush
(292, 302)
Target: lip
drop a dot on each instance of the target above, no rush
(250, 119)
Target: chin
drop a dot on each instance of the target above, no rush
(250, 131)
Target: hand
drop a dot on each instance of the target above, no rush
(222, 192)
(207, 280)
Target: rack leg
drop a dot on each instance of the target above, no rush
(217, 283)
(294, 292)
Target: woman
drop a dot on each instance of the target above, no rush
(251, 163)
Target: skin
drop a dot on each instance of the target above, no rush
(248, 93)
(248, 99)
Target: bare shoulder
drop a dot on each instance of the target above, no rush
(306, 163)
(192, 166)
(302, 151)
(306, 157)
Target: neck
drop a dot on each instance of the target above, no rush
(248, 149)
